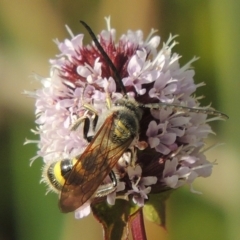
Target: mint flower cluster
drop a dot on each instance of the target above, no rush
(170, 148)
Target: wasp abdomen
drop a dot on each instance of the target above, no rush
(58, 172)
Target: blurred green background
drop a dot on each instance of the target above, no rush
(207, 28)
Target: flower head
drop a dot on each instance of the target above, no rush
(166, 153)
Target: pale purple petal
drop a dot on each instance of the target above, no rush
(168, 138)
(134, 171)
(152, 129)
(153, 142)
(163, 149)
(171, 181)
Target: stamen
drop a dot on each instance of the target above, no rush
(212, 147)
(150, 34)
(108, 21)
(69, 31)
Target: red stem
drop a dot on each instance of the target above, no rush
(137, 226)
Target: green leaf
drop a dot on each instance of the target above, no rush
(155, 209)
(114, 218)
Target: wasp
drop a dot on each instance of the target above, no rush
(81, 178)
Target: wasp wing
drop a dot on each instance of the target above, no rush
(93, 165)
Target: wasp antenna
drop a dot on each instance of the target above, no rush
(185, 109)
(117, 76)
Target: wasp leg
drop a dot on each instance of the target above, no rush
(79, 121)
(86, 127)
(95, 115)
(133, 158)
(95, 120)
(108, 100)
(86, 122)
(90, 108)
(105, 189)
(113, 177)
(129, 158)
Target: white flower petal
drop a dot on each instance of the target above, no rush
(148, 180)
(83, 211)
